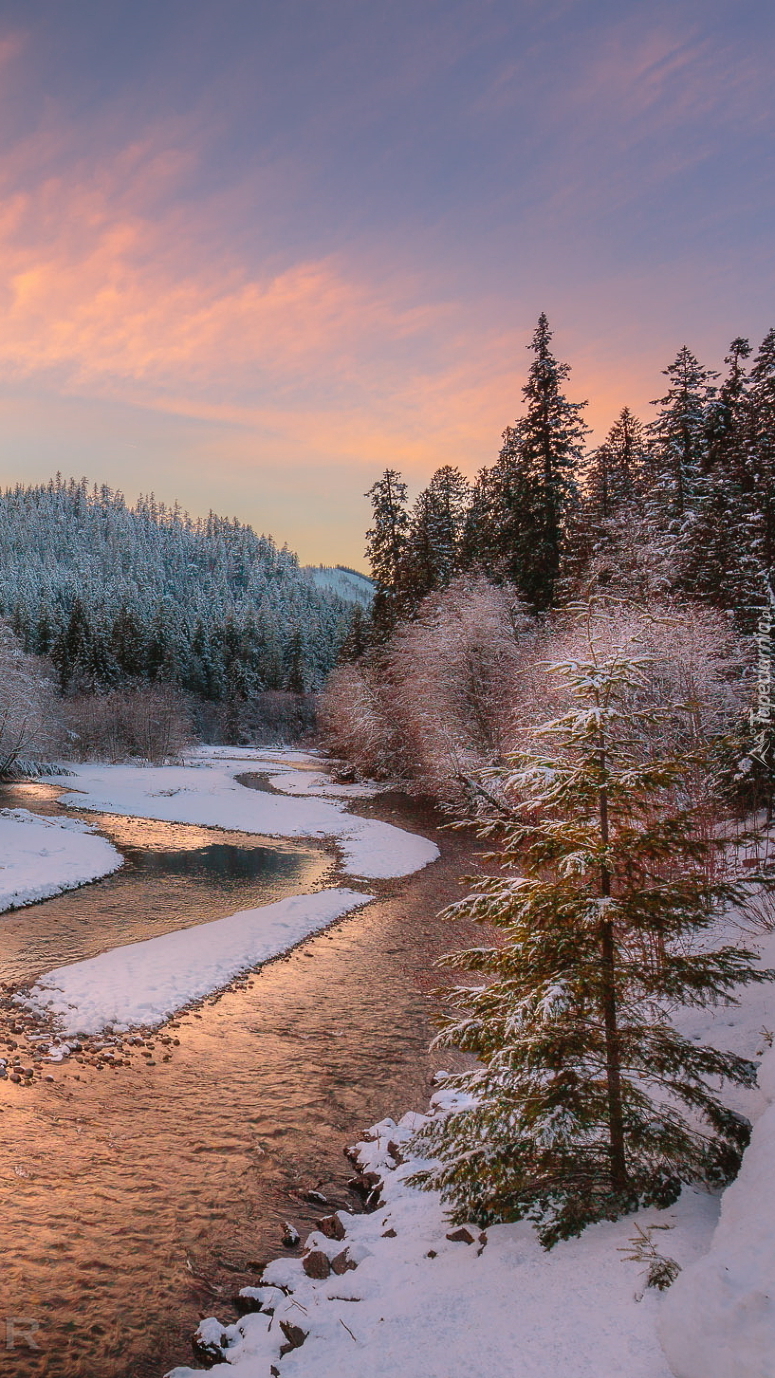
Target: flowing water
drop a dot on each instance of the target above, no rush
(136, 1200)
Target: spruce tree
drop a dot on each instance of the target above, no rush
(614, 477)
(522, 507)
(578, 1109)
(679, 435)
(385, 549)
(761, 448)
(434, 543)
(716, 562)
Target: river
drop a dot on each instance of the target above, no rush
(137, 1199)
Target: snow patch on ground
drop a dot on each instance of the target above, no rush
(204, 791)
(719, 1317)
(145, 983)
(420, 1304)
(43, 856)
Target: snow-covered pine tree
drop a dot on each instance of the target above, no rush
(761, 449)
(522, 506)
(717, 564)
(587, 1102)
(679, 435)
(385, 547)
(614, 476)
(433, 550)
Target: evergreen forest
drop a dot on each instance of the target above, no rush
(115, 595)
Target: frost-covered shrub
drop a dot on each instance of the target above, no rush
(459, 687)
(30, 726)
(152, 722)
(435, 704)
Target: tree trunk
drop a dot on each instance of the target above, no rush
(612, 1057)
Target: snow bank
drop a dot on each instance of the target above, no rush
(205, 792)
(718, 1319)
(406, 1297)
(145, 983)
(44, 856)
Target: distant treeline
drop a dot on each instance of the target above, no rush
(114, 594)
(683, 506)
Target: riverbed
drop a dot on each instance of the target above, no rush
(140, 1197)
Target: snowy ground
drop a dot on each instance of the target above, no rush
(145, 983)
(398, 1294)
(42, 857)
(204, 791)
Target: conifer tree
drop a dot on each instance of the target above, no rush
(761, 447)
(385, 548)
(615, 473)
(679, 434)
(715, 556)
(434, 543)
(577, 1111)
(521, 508)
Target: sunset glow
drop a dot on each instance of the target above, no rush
(251, 256)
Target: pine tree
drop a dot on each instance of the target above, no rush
(522, 507)
(715, 557)
(578, 1109)
(385, 548)
(434, 542)
(71, 647)
(761, 446)
(356, 643)
(615, 474)
(679, 434)
(294, 663)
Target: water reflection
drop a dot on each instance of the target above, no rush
(136, 1200)
(174, 876)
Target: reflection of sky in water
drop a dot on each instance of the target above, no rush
(175, 876)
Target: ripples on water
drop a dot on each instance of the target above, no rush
(138, 1199)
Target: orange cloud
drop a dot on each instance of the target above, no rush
(108, 293)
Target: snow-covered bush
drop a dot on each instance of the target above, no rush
(435, 704)
(458, 688)
(150, 721)
(30, 726)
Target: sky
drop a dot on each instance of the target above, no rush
(253, 253)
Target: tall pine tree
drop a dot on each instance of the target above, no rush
(679, 435)
(761, 448)
(716, 561)
(522, 507)
(434, 543)
(385, 549)
(615, 476)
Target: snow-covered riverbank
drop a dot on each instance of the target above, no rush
(399, 1291)
(41, 857)
(144, 983)
(205, 791)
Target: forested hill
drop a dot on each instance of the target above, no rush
(113, 593)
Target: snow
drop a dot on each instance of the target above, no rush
(145, 983)
(204, 791)
(345, 583)
(424, 1305)
(44, 856)
(719, 1317)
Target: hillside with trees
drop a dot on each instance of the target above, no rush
(116, 595)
